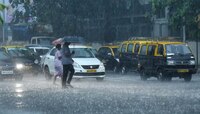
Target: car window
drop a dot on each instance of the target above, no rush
(160, 49)
(33, 41)
(151, 50)
(4, 55)
(52, 53)
(123, 48)
(42, 51)
(108, 50)
(116, 52)
(102, 51)
(143, 50)
(130, 48)
(137, 47)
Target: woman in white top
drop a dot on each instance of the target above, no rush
(58, 63)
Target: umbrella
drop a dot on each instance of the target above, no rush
(58, 41)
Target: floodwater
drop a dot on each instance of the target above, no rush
(116, 94)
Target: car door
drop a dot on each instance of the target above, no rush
(135, 55)
(129, 55)
(101, 53)
(49, 60)
(150, 57)
(123, 54)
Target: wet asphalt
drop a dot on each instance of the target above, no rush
(116, 94)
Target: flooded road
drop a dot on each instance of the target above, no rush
(116, 94)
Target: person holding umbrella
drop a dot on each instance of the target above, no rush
(67, 63)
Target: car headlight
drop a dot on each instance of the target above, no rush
(36, 61)
(101, 66)
(170, 62)
(19, 66)
(192, 62)
(76, 65)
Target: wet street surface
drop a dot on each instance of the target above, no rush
(116, 94)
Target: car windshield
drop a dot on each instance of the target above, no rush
(20, 52)
(44, 41)
(3, 55)
(41, 51)
(82, 53)
(116, 52)
(174, 49)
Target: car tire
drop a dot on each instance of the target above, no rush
(47, 73)
(188, 77)
(143, 75)
(99, 79)
(161, 76)
(123, 70)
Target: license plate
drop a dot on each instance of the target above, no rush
(7, 72)
(183, 70)
(91, 70)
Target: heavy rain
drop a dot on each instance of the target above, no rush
(99, 57)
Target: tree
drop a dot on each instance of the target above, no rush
(181, 12)
(2, 7)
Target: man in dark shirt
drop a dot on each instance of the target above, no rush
(67, 62)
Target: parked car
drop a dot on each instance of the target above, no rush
(8, 67)
(128, 55)
(109, 55)
(40, 50)
(29, 59)
(86, 65)
(164, 60)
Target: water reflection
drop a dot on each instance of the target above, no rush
(19, 94)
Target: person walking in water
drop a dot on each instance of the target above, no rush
(58, 63)
(67, 62)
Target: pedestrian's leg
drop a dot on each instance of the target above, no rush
(54, 79)
(64, 77)
(71, 68)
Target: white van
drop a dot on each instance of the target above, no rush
(86, 65)
(42, 40)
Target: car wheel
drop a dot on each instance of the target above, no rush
(99, 79)
(161, 76)
(123, 70)
(143, 75)
(47, 73)
(19, 78)
(188, 77)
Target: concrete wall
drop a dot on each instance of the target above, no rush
(192, 46)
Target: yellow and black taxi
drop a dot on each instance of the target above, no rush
(109, 55)
(165, 59)
(128, 55)
(28, 59)
(9, 68)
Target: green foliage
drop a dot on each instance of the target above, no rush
(2, 7)
(24, 13)
(181, 12)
